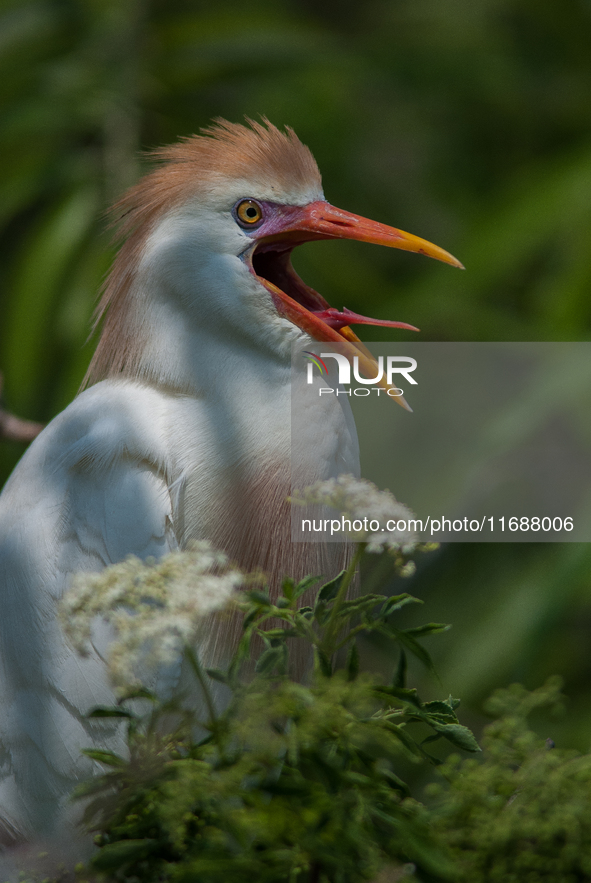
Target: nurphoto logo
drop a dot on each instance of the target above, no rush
(383, 381)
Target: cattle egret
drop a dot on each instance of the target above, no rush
(182, 432)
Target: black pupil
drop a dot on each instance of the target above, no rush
(251, 212)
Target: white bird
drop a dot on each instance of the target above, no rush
(182, 433)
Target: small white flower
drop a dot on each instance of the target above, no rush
(155, 607)
(376, 517)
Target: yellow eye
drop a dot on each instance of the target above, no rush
(248, 212)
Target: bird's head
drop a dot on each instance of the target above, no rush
(238, 198)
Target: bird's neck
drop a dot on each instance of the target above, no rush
(195, 323)
(193, 320)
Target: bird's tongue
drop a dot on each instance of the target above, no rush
(337, 319)
(312, 314)
(332, 326)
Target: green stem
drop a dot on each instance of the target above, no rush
(200, 675)
(358, 628)
(333, 626)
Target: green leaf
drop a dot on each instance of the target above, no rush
(306, 583)
(397, 782)
(434, 737)
(217, 675)
(260, 598)
(251, 616)
(109, 758)
(431, 628)
(280, 633)
(401, 693)
(330, 589)
(116, 855)
(324, 663)
(243, 649)
(352, 665)
(437, 706)
(288, 588)
(270, 659)
(433, 718)
(357, 605)
(321, 612)
(404, 737)
(400, 673)
(398, 601)
(458, 735)
(411, 644)
(110, 712)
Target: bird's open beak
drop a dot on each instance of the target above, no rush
(290, 226)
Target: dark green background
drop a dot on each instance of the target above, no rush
(466, 122)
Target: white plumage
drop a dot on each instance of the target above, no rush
(184, 432)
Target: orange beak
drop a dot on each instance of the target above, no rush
(289, 226)
(320, 220)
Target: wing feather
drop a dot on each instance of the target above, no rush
(91, 490)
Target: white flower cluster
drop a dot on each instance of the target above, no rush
(375, 517)
(155, 607)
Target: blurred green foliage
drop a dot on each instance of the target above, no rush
(289, 782)
(523, 813)
(465, 122)
(293, 781)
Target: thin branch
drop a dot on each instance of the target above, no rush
(15, 429)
